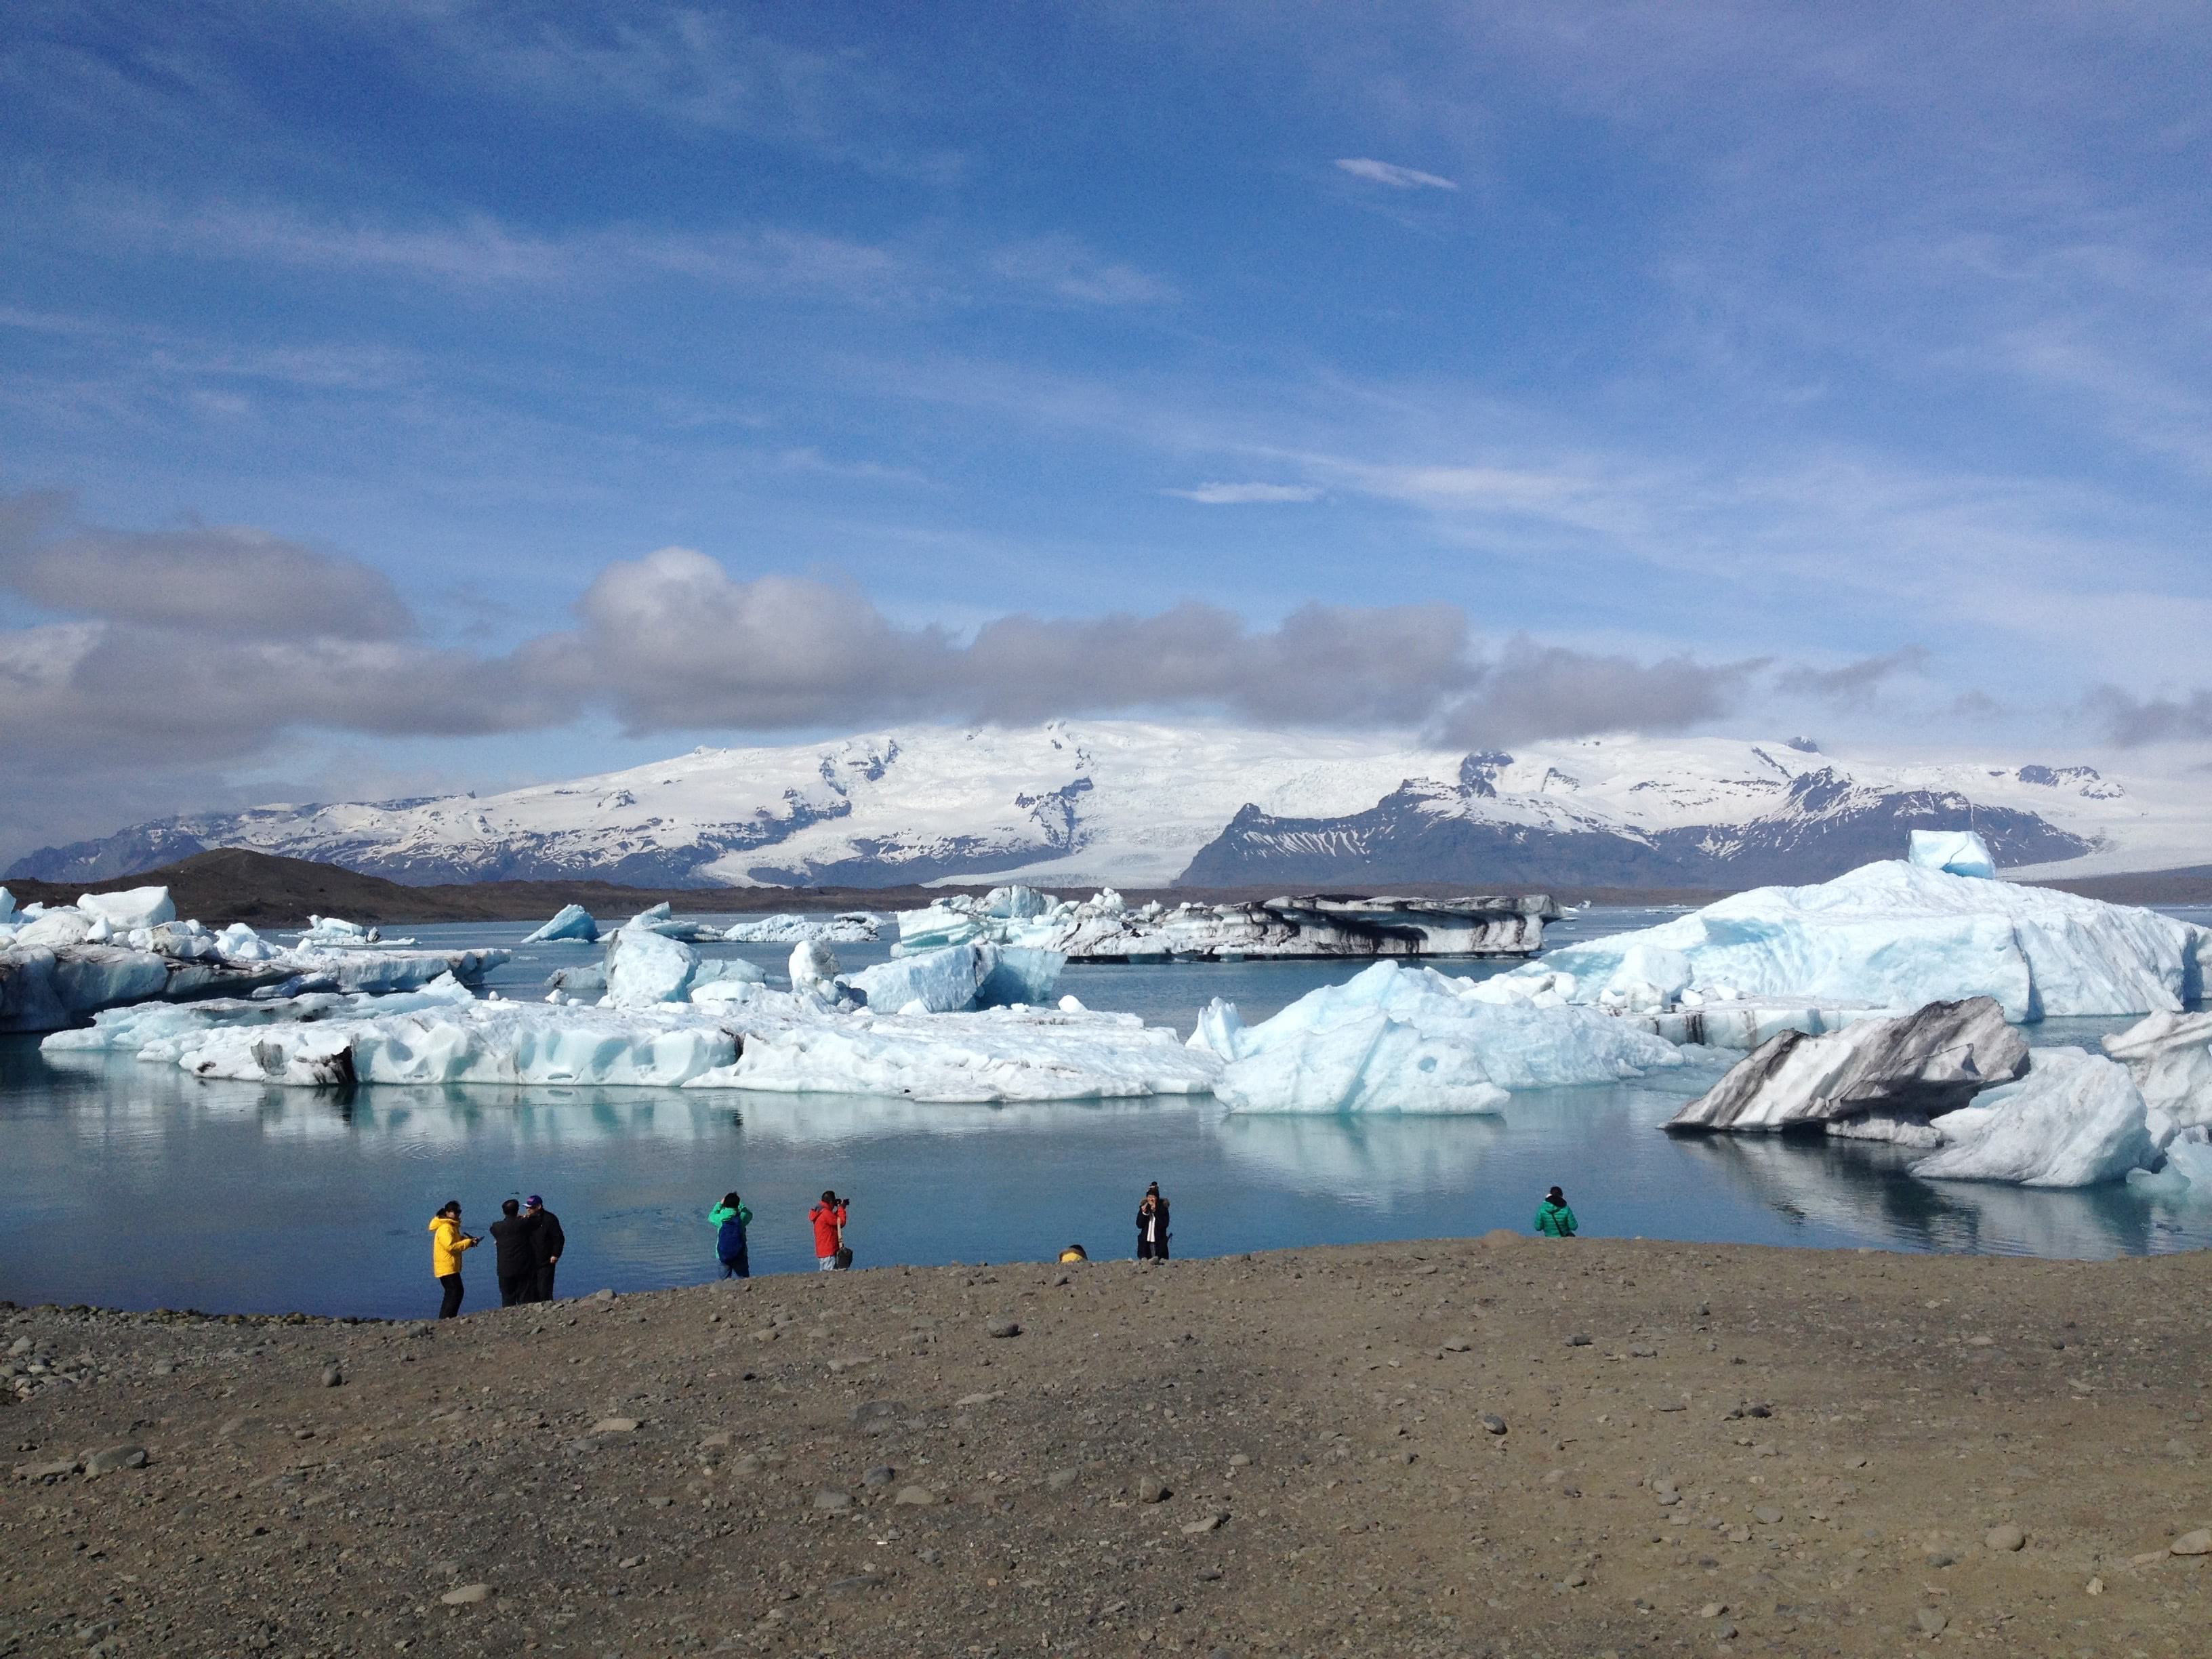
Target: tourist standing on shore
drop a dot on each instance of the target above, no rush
(514, 1258)
(546, 1244)
(1553, 1218)
(447, 1241)
(1153, 1226)
(829, 1219)
(729, 1218)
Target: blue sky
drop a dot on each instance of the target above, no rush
(1845, 368)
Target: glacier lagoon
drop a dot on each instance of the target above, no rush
(138, 1186)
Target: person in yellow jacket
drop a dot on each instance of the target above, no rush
(447, 1241)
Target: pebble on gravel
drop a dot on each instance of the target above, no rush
(918, 1497)
(1932, 1620)
(466, 1595)
(333, 1378)
(1151, 1489)
(1205, 1523)
(1493, 1423)
(2005, 1537)
(2194, 1543)
(110, 1459)
(832, 1501)
(615, 1425)
(1060, 1479)
(1003, 1327)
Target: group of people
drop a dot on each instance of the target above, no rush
(526, 1245)
(528, 1241)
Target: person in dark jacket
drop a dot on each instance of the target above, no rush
(1553, 1218)
(547, 1243)
(1153, 1226)
(515, 1238)
(729, 1218)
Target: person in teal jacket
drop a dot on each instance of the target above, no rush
(1553, 1218)
(729, 1218)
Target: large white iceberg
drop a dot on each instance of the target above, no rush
(1959, 852)
(1105, 928)
(137, 907)
(995, 1055)
(2075, 1119)
(846, 927)
(1395, 1038)
(753, 1038)
(958, 977)
(645, 966)
(570, 923)
(1897, 936)
(2169, 1056)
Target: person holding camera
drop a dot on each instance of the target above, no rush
(515, 1254)
(829, 1218)
(447, 1241)
(1153, 1226)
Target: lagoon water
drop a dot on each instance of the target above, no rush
(136, 1185)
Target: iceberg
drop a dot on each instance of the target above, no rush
(572, 923)
(813, 966)
(1105, 928)
(1959, 852)
(2075, 1119)
(2170, 1057)
(956, 978)
(1897, 936)
(7, 905)
(750, 1038)
(1395, 1038)
(1879, 1078)
(846, 927)
(138, 907)
(498, 1042)
(644, 967)
(995, 1055)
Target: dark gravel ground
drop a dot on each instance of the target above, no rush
(1717, 1450)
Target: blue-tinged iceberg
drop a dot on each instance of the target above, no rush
(1896, 936)
(1395, 1038)
(571, 924)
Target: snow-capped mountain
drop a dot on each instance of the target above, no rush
(1145, 805)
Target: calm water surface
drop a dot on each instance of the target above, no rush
(136, 1185)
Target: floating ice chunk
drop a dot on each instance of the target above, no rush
(52, 929)
(1648, 977)
(1000, 1054)
(2075, 1119)
(813, 966)
(2169, 1056)
(586, 982)
(572, 923)
(7, 905)
(1900, 1071)
(1454, 1045)
(1017, 903)
(137, 907)
(158, 1030)
(1959, 852)
(379, 971)
(336, 930)
(1370, 1064)
(1895, 935)
(503, 1042)
(644, 967)
(847, 927)
(728, 970)
(961, 976)
(239, 943)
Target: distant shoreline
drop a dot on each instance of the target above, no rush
(264, 890)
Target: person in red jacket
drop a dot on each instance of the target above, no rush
(829, 1219)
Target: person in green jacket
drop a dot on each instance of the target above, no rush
(729, 1218)
(1553, 1218)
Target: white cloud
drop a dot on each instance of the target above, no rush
(1390, 173)
(1246, 495)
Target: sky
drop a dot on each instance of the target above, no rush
(409, 395)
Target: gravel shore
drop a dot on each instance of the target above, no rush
(1484, 1447)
